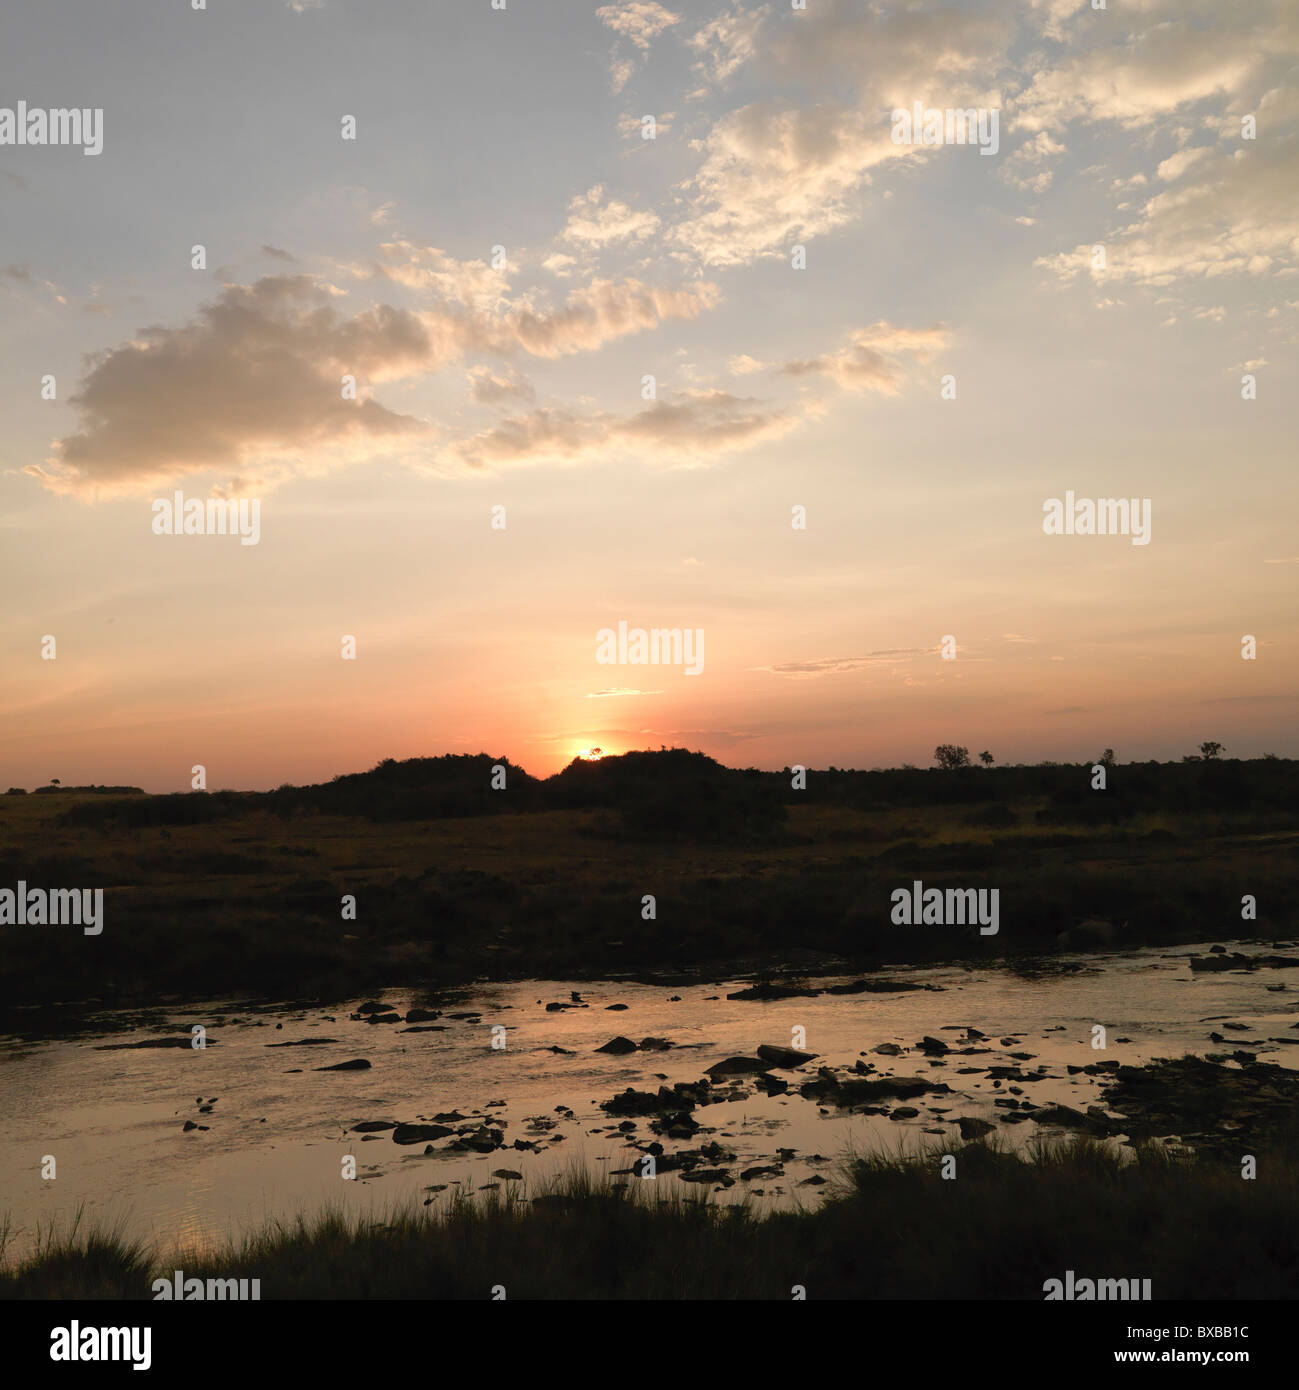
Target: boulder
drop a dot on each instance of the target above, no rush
(738, 1066)
(418, 1134)
(709, 1175)
(784, 1056)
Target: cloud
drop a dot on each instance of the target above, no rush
(598, 313)
(691, 427)
(275, 253)
(620, 71)
(893, 55)
(1230, 208)
(771, 175)
(617, 692)
(727, 42)
(496, 324)
(1177, 164)
(473, 283)
(545, 435)
(1056, 12)
(1183, 52)
(704, 422)
(489, 387)
(595, 221)
(868, 362)
(776, 172)
(836, 665)
(255, 377)
(1281, 699)
(1023, 167)
(641, 21)
(630, 127)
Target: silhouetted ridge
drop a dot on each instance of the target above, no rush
(671, 794)
(675, 793)
(456, 784)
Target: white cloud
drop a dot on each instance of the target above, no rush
(595, 221)
(868, 361)
(255, 377)
(490, 387)
(1024, 168)
(1230, 209)
(472, 283)
(1180, 53)
(727, 41)
(641, 21)
(691, 427)
(772, 175)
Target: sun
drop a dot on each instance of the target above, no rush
(590, 755)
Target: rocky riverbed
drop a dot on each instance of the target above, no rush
(745, 1089)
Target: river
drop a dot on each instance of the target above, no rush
(276, 1136)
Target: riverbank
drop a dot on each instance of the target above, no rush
(300, 904)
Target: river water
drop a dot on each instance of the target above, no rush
(277, 1134)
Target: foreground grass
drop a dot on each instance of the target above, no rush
(893, 1227)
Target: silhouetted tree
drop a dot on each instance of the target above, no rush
(986, 758)
(950, 756)
(1210, 750)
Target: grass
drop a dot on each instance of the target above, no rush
(892, 1228)
(252, 903)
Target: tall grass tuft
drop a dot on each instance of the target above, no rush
(895, 1225)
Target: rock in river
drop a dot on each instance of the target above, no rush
(784, 1056)
(738, 1066)
(417, 1134)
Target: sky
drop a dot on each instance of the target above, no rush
(499, 373)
